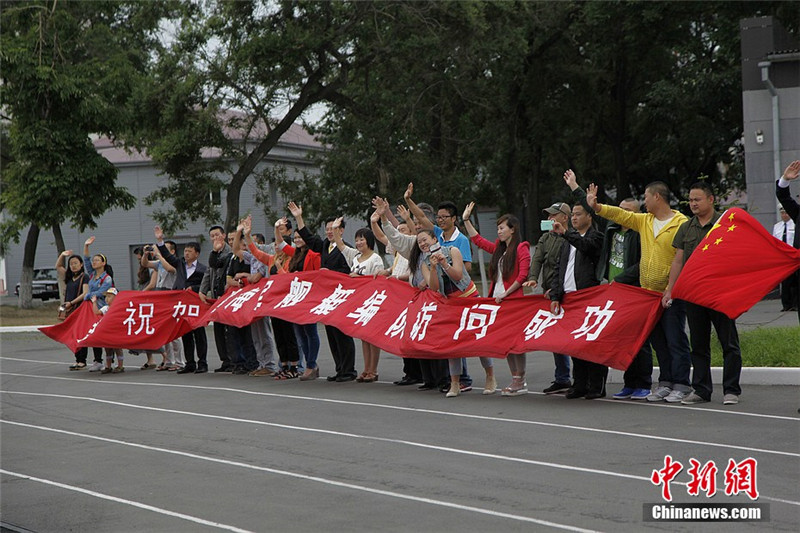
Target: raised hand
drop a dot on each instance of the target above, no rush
(375, 217)
(247, 223)
(468, 211)
(409, 191)
(792, 171)
(403, 212)
(283, 221)
(570, 179)
(380, 205)
(337, 223)
(90, 240)
(158, 233)
(66, 253)
(295, 210)
(591, 196)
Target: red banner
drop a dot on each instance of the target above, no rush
(605, 324)
(735, 265)
(144, 320)
(76, 326)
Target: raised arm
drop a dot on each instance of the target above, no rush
(405, 214)
(297, 213)
(61, 263)
(471, 231)
(415, 210)
(376, 228)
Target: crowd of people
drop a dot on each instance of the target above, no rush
(584, 243)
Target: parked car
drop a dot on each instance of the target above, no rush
(45, 284)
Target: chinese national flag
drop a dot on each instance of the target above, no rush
(735, 265)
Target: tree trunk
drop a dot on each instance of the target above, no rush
(62, 286)
(25, 287)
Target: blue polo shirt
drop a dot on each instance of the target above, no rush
(457, 240)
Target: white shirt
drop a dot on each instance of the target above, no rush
(190, 269)
(777, 231)
(569, 276)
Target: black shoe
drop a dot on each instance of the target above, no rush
(223, 368)
(201, 370)
(557, 388)
(573, 393)
(332, 378)
(594, 395)
(426, 386)
(186, 370)
(444, 388)
(240, 371)
(342, 379)
(407, 381)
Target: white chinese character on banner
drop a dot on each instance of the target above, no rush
(542, 320)
(331, 302)
(91, 330)
(240, 300)
(145, 313)
(480, 317)
(368, 309)
(595, 322)
(298, 290)
(399, 326)
(420, 327)
(178, 310)
(267, 286)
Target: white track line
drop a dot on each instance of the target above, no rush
(349, 435)
(287, 473)
(126, 502)
(613, 402)
(431, 411)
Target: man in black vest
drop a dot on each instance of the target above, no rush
(342, 346)
(189, 274)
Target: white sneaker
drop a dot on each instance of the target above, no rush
(659, 394)
(730, 399)
(96, 367)
(676, 396)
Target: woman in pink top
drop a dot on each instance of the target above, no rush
(508, 269)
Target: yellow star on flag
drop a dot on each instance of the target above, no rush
(705, 247)
(718, 241)
(732, 227)
(731, 217)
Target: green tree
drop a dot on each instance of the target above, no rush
(67, 67)
(236, 77)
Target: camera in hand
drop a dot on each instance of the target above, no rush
(546, 225)
(435, 248)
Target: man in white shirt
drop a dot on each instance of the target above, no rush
(784, 231)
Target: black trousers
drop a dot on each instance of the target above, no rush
(243, 351)
(411, 368)
(639, 375)
(434, 371)
(196, 337)
(700, 321)
(286, 341)
(343, 350)
(82, 353)
(588, 377)
(790, 292)
(221, 341)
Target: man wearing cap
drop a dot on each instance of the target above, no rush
(657, 229)
(784, 231)
(792, 208)
(545, 262)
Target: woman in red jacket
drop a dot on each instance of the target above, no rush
(303, 260)
(508, 269)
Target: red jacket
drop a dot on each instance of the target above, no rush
(521, 265)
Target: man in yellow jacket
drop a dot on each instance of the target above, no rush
(657, 229)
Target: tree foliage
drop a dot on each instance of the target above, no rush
(494, 100)
(67, 67)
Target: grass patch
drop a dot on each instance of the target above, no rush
(40, 315)
(773, 347)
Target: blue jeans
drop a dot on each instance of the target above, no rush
(671, 344)
(562, 367)
(308, 340)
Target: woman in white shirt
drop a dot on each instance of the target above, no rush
(364, 261)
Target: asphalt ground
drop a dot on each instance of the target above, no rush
(156, 451)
